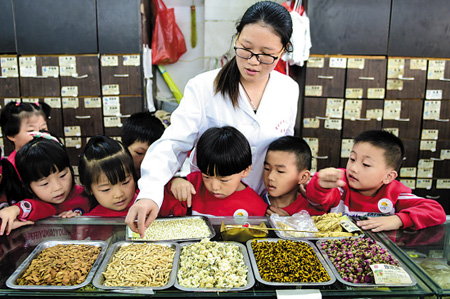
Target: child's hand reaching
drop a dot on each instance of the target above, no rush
(330, 178)
(69, 214)
(182, 190)
(274, 210)
(9, 220)
(378, 224)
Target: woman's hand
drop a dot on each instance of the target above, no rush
(182, 190)
(145, 211)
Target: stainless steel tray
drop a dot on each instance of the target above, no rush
(319, 256)
(281, 234)
(132, 236)
(250, 278)
(11, 282)
(339, 277)
(99, 279)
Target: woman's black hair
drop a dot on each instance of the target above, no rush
(268, 13)
(13, 113)
(223, 151)
(104, 155)
(40, 158)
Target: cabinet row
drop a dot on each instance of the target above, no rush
(377, 77)
(423, 159)
(409, 119)
(70, 76)
(89, 116)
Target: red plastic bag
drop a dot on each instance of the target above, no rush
(168, 41)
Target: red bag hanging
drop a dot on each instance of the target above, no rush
(168, 41)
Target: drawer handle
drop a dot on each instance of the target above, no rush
(321, 117)
(80, 77)
(363, 119)
(446, 120)
(444, 79)
(121, 75)
(40, 77)
(402, 119)
(436, 159)
(407, 78)
(325, 77)
(433, 197)
(82, 117)
(3, 77)
(320, 157)
(124, 116)
(366, 78)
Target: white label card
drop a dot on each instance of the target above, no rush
(432, 110)
(53, 102)
(424, 184)
(433, 94)
(50, 71)
(111, 89)
(110, 60)
(72, 131)
(346, 147)
(70, 103)
(389, 274)
(313, 90)
(408, 172)
(316, 62)
(67, 61)
(92, 103)
(311, 123)
(131, 60)
(112, 122)
(337, 62)
(8, 61)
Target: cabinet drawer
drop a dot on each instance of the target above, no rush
(116, 110)
(323, 117)
(362, 115)
(401, 117)
(82, 116)
(325, 152)
(366, 78)
(436, 117)
(325, 76)
(39, 76)
(438, 79)
(81, 72)
(9, 76)
(406, 78)
(121, 75)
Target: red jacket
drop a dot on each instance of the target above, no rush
(392, 199)
(298, 205)
(101, 211)
(35, 209)
(241, 203)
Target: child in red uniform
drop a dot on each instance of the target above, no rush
(224, 158)
(44, 168)
(286, 168)
(107, 173)
(368, 187)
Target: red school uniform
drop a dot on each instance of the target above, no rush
(241, 203)
(101, 211)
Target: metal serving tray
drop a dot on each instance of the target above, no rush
(11, 282)
(99, 279)
(132, 236)
(281, 235)
(339, 277)
(319, 256)
(250, 278)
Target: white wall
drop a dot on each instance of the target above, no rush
(216, 22)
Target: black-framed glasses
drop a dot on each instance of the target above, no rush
(262, 58)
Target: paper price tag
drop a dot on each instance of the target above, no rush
(424, 184)
(425, 172)
(111, 89)
(131, 60)
(53, 102)
(50, 71)
(375, 93)
(110, 60)
(72, 131)
(111, 110)
(395, 72)
(313, 144)
(112, 122)
(418, 64)
(432, 110)
(346, 147)
(74, 142)
(394, 84)
(354, 93)
(313, 90)
(10, 72)
(27, 61)
(408, 172)
(316, 62)
(374, 114)
(396, 63)
(28, 71)
(70, 103)
(436, 65)
(428, 145)
(311, 123)
(67, 61)
(355, 63)
(333, 124)
(445, 154)
(92, 103)
(337, 62)
(111, 101)
(68, 71)
(430, 134)
(8, 61)
(433, 94)
(348, 225)
(409, 183)
(69, 91)
(443, 184)
(389, 274)
(435, 74)
(425, 163)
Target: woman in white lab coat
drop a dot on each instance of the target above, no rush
(246, 93)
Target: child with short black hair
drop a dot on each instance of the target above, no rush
(224, 158)
(368, 187)
(286, 169)
(139, 131)
(47, 175)
(106, 171)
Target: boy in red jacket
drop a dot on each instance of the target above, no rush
(368, 187)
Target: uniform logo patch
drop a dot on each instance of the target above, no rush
(385, 205)
(240, 213)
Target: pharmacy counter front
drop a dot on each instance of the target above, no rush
(424, 254)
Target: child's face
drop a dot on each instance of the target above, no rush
(55, 188)
(114, 197)
(224, 186)
(367, 170)
(138, 150)
(281, 174)
(35, 122)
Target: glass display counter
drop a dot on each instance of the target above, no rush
(15, 248)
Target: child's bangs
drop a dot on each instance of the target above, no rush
(116, 169)
(224, 163)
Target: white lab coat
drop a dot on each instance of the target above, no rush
(201, 109)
